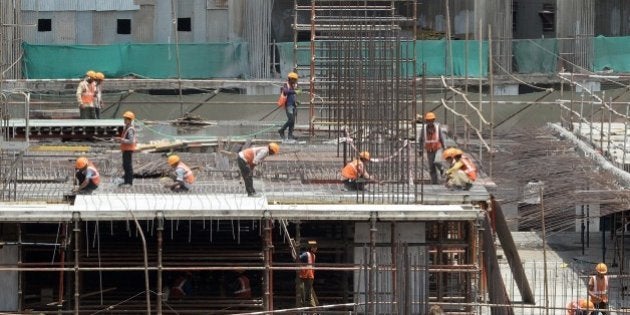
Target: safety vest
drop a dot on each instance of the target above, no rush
(469, 168)
(249, 154)
(308, 272)
(189, 177)
(245, 290)
(352, 169)
(96, 179)
(87, 93)
(128, 146)
(600, 289)
(432, 140)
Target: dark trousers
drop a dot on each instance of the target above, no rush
(291, 112)
(127, 157)
(97, 112)
(352, 184)
(248, 176)
(603, 306)
(89, 188)
(433, 167)
(87, 112)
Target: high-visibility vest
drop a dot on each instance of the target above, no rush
(245, 290)
(469, 168)
(600, 289)
(189, 177)
(128, 146)
(432, 140)
(88, 92)
(308, 272)
(351, 170)
(96, 179)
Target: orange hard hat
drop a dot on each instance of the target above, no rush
(99, 76)
(449, 153)
(457, 152)
(81, 162)
(173, 160)
(292, 75)
(274, 148)
(365, 155)
(601, 268)
(429, 116)
(586, 304)
(129, 115)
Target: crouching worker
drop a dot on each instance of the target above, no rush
(183, 177)
(87, 176)
(462, 171)
(580, 307)
(354, 174)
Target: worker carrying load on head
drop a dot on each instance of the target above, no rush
(87, 176)
(580, 307)
(86, 92)
(598, 287)
(462, 171)
(183, 177)
(247, 161)
(290, 90)
(354, 174)
(306, 294)
(431, 140)
(128, 142)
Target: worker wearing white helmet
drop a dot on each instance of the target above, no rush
(183, 177)
(598, 287)
(290, 90)
(247, 161)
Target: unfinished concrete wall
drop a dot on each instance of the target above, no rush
(9, 279)
(612, 18)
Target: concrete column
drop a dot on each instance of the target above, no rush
(143, 20)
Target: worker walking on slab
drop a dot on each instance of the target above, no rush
(306, 294)
(86, 92)
(128, 142)
(87, 176)
(290, 90)
(431, 140)
(99, 77)
(183, 177)
(598, 287)
(249, 158)
(580, 307)
(462, 171)
(354, 174)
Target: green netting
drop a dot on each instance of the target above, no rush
(535, 55)
(159, 61)
(466, 58)
(611, 53)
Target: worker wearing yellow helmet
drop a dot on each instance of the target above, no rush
(87, 176)
(431, 140)
(128, 142)
(462, 171)
(290, 90)
(247, 161)
(598, 287)
(99, 77)
(580, 307)
(182, 176)
(354, 175)
(86, 93)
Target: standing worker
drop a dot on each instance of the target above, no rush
(462, 171)
(580, 307)
(354, 174)
(183, 176)
(290, 89)
(99, 77)
(431, 140)
(86, 92)
(249, 158)
(128, 142)
(307, 296)
(87, 176)
(598, 287)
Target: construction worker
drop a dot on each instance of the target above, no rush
(249, 158)
(580, 307)
(241, 286)
(183, 176)
(86, 92)
(462, 171)
(290, 89)
(598, 287)
(99, 77)
(307, 296)
(436, 310)
(354, 174)
(128, 142)
(431, 140)
(87, 176)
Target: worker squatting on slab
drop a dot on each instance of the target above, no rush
(462, 171)
(598, 287)
(87, 176)
(182, 177)
(580, 307)
(354, 175)
(247, 161)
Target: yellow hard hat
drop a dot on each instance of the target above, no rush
(91, 73)
(173, 159)
(99, 76)
(601, 268)
(274, 148)
(129, 115)
(312, 243)
(586, 304)
(449, 153)
(292, 75)
(81, 162)
(365, 155)
(429, 116)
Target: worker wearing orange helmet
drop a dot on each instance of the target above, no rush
(462, 170)
(290, 90)
(431, 140)
(87, 176)
(247, 161)
(598, 287)
(99, 77)
(86, 93)
(307, 296)
(128, 142)
(183, 177)
(354, 174)
(580, 307)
